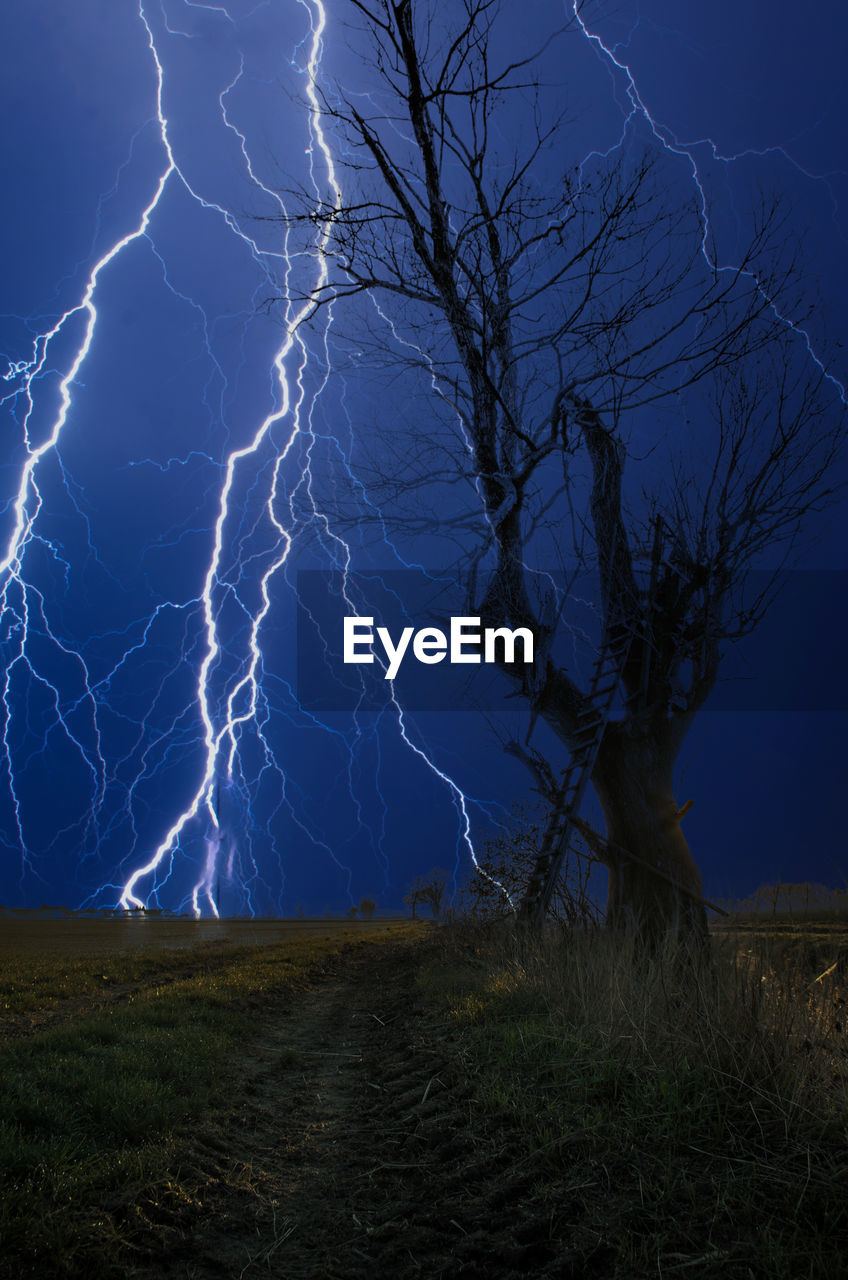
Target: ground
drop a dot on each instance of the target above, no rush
(391, 1099)
(351, 1149)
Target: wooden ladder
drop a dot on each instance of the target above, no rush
(604, 681)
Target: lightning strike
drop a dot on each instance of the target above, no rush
(228, 706)
(227, 703)
(668, 140)
(224, 737)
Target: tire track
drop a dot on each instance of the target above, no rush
(352, 1150)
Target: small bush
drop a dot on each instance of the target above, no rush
(503, 869)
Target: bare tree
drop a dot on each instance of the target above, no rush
(617, 401)
(429, 890)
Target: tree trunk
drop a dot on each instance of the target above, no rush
(658, 890)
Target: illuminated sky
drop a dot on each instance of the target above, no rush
(151, 570)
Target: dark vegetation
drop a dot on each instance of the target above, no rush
(682, 1118)
(451, 1101)
(498, 882)
(106, 1061)
(429, 891)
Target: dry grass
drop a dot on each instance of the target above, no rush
(790, 903)
(106, 1063)
(689, 1114)
(666, 1115)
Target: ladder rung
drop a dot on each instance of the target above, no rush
(590, 729)
(587, 737)
(608, 663)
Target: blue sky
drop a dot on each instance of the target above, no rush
(104, 742)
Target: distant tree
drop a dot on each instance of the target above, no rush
(608, 397)
(367, 907)
(429, 891)
(351, 911)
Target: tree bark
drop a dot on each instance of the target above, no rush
(657, 891)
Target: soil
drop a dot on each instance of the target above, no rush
(353, 1148)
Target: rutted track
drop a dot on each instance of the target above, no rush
(352, 1149)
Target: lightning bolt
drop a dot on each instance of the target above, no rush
(223, 737)
(248, 562)
(612, 57)
(197, 663)
(289, 405)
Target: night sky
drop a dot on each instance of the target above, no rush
(180, 458)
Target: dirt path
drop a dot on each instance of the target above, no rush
(352, 1150)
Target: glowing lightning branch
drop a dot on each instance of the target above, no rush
(214, 737)
(244, 703)
(28, 502)
(221, 715)
(667, 139)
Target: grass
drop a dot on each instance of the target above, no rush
(678, 1118)
(92, 1108)
(683, 1118)
(33, 985)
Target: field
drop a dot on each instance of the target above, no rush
(68, 934)
(359, 1099)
